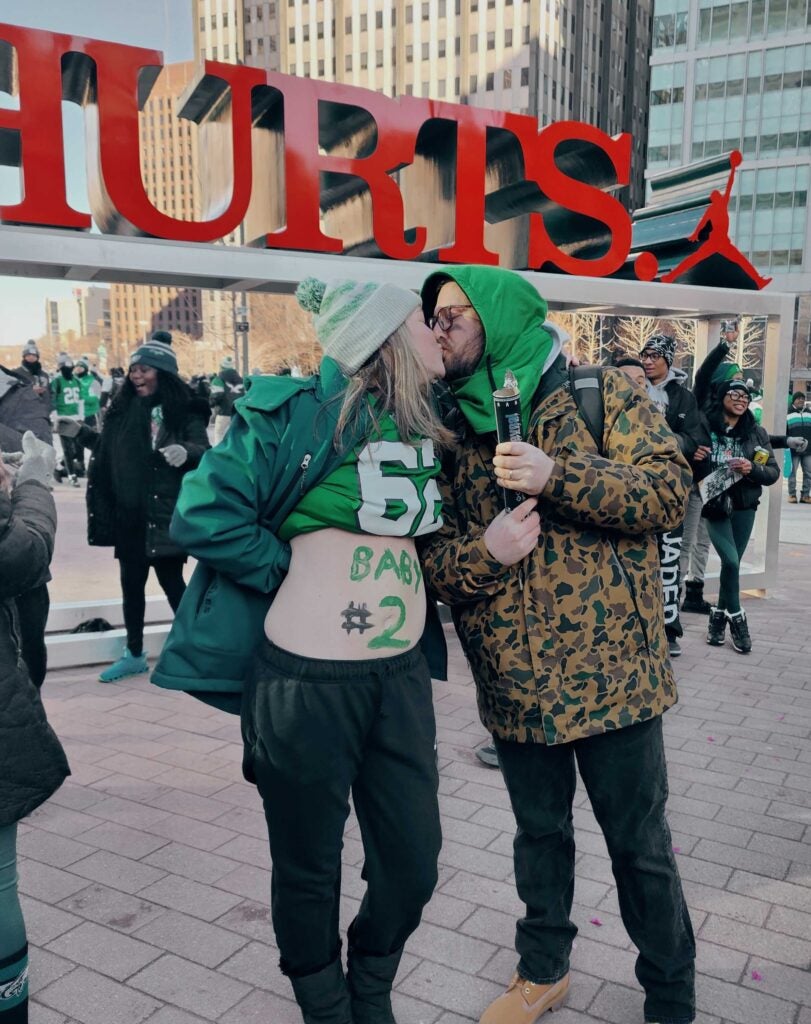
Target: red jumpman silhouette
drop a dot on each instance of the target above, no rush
(718, 241)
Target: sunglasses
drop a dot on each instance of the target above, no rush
(444, 318)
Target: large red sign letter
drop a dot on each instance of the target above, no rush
(396, 137)
(580, 198)
(31, 137)
(119, 184)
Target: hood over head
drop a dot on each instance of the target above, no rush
(517, 338)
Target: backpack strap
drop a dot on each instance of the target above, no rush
(586, 384)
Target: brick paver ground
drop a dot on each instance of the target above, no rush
(146, 877)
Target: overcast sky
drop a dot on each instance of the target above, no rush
(158, 24)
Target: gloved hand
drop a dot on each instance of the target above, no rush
(38, 461)
(175, 454)
(66, 427)
(797, 444)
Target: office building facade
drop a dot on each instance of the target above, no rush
(554, 59)
(737, 75)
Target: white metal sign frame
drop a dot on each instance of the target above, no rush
(64, 255)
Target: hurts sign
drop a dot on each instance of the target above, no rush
(316, 166)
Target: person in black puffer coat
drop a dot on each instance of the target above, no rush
(153, 434)
(32, 762)
(730, 518)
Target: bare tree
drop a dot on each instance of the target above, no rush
(282, 335)
(633, 331)
(751, 339)
(585, 333)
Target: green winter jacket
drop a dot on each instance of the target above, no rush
(67, 396)
(90, 391)
(230, 509)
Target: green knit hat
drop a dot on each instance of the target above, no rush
(353, 318)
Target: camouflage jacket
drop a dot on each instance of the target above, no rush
(570, 642)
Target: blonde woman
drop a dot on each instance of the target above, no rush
(339, 699)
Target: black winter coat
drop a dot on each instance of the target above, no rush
(111, 520)
(32, 762)
(21, 410)
(684, 419)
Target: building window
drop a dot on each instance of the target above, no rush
(440, 48)
(508, 79)
(409, 21)
(225, 20)
(379, 58)
(474, 83)
(291, 35)
(425, 51)
(409, 52)
(348, 24)
(226, 52)
(508, 37)
(364, 60)
(491, 40)
(348, 62)
(426, 12)
(490, 81)
(379, 19)
(305, 33)
(457, 46)
(213, 20)
(441, 87)
(202, 23)
(524, 76)
(321, 69)
(474, 43)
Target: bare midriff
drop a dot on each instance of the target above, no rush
(349, 596)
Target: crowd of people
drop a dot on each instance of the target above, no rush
(346, 505)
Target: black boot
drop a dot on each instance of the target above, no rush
(739, 632)
(717, 627)
(324, 997)
(694, 598)
(370, 981)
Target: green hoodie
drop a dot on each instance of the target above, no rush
(512, 313)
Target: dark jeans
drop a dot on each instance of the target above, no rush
(134, 573)
(729, 538)
(32, 608)
(314, 730)
(73, 453)
(797, 461)
(625, 776)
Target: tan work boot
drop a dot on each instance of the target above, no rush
(524, 1001)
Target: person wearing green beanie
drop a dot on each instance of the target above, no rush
(558, 605)
(339, 698)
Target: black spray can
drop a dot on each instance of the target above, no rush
(507, 404)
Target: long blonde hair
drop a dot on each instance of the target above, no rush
(396, 378)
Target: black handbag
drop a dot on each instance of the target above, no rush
(719, 507)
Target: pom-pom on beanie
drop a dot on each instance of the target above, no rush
(156, 354)
(163, 336)
(353, 318)
(30, 349)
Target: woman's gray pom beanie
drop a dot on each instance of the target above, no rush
(353, 318)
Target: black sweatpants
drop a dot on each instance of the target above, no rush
(134, 572)
(314, 730)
